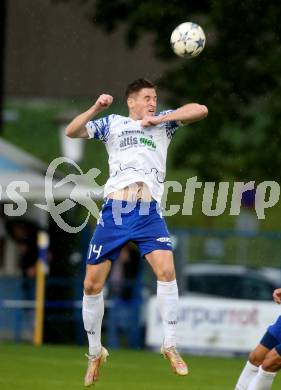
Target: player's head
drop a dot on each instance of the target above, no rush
(141, 98)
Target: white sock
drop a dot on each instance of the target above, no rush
(167, 298)
(246, 376)
(262, 381)
(92, 312)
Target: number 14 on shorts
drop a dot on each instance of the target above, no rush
(94, 250)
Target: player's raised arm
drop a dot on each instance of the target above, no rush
(277, 295)
(186, 114)
(77, 128)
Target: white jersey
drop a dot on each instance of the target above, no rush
(136, 154)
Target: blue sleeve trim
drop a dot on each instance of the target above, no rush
(101, 128)
(170, 126)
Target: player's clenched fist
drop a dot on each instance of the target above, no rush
(277, 295)
(103, 102)
(148, 121)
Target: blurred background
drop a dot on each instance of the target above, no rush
(57, 57)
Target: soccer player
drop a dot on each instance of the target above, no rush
(265, 360)
(137, 147)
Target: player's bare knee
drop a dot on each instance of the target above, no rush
(258, 355)
(270, 366)
(255, 359)
(92, 288)
(272, 362)
(166, 275)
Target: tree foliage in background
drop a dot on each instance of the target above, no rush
(237, 76)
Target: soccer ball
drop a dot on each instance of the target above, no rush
(188, 40)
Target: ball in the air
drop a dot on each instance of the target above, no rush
(188, 40)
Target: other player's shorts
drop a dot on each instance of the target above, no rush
(272, 338)
(122, 221)
(275, 329)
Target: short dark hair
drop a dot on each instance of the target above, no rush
(137, 85)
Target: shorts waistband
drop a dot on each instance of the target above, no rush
(140, 207)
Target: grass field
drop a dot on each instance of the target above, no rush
(24, 367)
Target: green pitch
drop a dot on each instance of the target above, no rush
(24, 367)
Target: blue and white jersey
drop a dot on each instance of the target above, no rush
(136, 154)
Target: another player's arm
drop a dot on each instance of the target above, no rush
(186, 114)
(277, 295)
(77, 127)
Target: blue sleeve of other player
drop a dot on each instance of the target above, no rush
(170, 126)
(99, 128)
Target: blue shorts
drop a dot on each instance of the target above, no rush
(270, 342)
(122, 221)
(275, 329)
